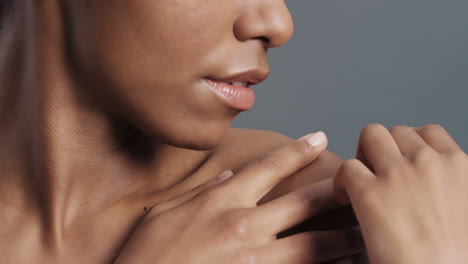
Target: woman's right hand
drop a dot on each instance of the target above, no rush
(220, 222)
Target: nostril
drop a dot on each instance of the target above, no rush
(264, 39)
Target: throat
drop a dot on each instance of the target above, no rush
(61, 163)
(58, 168)
(63, 156)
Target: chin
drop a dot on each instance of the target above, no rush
(197, 144)
(204, 136)
(202, 140)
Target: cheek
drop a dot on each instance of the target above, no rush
(146, 55)
(183, 39)
(150, 41)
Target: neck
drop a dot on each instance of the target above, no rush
(60, 154)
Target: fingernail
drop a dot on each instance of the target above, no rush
(225, 174)
(316, 139)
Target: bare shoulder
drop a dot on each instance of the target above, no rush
(242, 146)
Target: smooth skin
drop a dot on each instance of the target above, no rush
(103, 115)
(221, 225)
(409, 190)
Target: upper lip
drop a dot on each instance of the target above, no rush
(252, 77)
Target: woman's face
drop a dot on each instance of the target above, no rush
(151, 61)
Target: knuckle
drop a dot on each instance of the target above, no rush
(301, 147)
(424, 155)
(271, 162)
(349, 166)
(398, 129)
(433, 128)
(372, 128)
(349, 174)
(235, 224)
(307, 196)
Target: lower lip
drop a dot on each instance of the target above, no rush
(238, 97)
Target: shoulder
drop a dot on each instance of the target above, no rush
(242, 146)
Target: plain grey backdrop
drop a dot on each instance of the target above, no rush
(355, 62)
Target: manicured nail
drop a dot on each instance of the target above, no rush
(317, 139)
(225, 174)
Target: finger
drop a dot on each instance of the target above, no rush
(378, 148)
(360, 156)
(313, 247)
(294, 208)
(324, 167)
(262, 175)
(409, 142)
(165, 206)
(351, 181)
(438, 138)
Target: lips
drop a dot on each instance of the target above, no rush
(235, 94)
(251, 77)
(235, 90)
(238, 83)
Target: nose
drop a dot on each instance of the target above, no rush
(267, 20)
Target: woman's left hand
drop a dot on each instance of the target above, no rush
(409, 190)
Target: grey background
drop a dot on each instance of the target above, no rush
(355, 62)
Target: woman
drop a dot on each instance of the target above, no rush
(115, 125)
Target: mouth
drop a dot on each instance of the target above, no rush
(237, 83)
(235, 91)
(244, 79)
